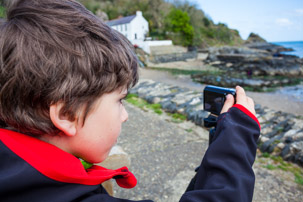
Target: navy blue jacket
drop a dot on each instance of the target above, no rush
(32, 170)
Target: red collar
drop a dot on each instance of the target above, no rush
(60, 165)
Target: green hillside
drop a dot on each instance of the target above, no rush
(180, 21)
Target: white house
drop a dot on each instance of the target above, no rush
(135, 29)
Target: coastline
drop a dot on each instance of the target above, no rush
(297, 46)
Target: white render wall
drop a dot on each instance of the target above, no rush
(145, 45)
(160, 43)
(138, 27)
(123, 29)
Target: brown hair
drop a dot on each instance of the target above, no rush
(57, 51)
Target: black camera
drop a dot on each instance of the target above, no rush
(214, 98)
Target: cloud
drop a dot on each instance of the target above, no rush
(283, 22)
(299, 11)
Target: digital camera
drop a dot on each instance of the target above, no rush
(214, 98)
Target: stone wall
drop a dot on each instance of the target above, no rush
(281, 134)
(173, 57)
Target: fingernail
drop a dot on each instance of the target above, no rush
(228, 96)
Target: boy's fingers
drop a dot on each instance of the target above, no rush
(245, 101)
(251, 105)
(241, 96)
(229, 102)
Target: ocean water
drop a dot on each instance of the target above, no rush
(296, 45)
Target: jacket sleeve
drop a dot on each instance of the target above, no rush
(225, 173)
(101, 195)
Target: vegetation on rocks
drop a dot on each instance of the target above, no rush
(156, 108)
(272, 162)
(213, 72)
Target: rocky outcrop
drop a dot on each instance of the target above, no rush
(229, 81)
(256, 42)
(143, 57)
(254, 38)
(281, 134)
(255, 61)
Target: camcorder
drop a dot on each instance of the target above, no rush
(214, 98)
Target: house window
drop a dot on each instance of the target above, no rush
(125, 27)
(135, 36)
(121, 28)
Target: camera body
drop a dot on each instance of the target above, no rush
(214, 98)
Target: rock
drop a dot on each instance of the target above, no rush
(195, 101)
(281, 145)
(298, 146)
(265, 146)
(288, 140)
(264, 139)
(254, 38)
(255, 59)
(285, 151)
(290, 133)
(183, 98)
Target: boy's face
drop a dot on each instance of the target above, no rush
(94, 140)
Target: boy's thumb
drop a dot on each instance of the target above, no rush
(229, 102)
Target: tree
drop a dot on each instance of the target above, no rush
(178, 22)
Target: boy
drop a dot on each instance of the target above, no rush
(63, 76)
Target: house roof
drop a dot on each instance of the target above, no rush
(120, 21)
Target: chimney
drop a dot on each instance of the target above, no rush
(139, 13)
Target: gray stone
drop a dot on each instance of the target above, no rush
(281, 145)
(285, 151)
(298, 146)
(265, 146)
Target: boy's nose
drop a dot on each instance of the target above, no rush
(124, 115)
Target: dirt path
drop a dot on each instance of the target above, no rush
(275, 100)
(164, 155)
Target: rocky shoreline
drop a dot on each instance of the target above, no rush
(257, 64)
(281, 134)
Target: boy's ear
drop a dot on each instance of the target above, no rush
(62, 122)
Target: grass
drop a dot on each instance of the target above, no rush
(278, 163)
(188, 72)
(136, 101)
(2, 12)
(156, 108)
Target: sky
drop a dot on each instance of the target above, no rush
(273, 20)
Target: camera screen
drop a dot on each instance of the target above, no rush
(213, 102)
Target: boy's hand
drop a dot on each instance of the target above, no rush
(241, 99)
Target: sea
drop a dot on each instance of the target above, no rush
(293, 92)
(296, 45)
